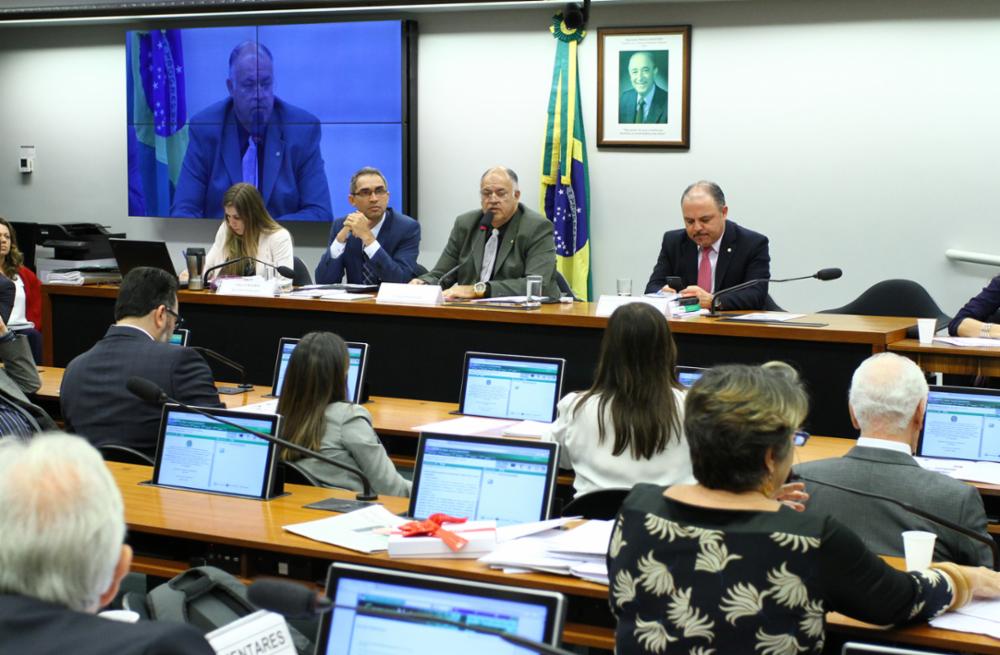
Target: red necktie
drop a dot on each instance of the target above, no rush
(705, 270)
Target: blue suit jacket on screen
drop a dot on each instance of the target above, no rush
(396, 260)
(293, 185)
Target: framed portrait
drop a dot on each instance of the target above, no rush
(644, 86)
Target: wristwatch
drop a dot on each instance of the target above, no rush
(480, 289)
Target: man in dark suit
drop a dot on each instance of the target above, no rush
(374, 244)
(491, 250)
(888, 398)
(63, 556)
(645, 102)
(711, 253)
(254, 137)
(95, 402)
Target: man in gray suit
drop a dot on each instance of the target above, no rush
(19, 376)
(888, 398)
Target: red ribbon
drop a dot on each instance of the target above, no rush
(431, 527)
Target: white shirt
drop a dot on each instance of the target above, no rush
(18, 320)
(135, 327)
(595, 466)
(273, 248)
(337, 248)
(713, 257)
(886, 444)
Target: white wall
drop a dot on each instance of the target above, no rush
(857, 136)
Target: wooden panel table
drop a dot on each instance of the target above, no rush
(940, 357)
(417, 351)
(171, 529)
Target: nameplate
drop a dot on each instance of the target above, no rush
(247, 286)
(260, 633)
(606, 305)
(409, 294)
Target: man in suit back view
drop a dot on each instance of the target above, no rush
(63, 556)
(888, 398)
(95, 401)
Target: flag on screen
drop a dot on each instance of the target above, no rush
(158, 116)
(565, 181)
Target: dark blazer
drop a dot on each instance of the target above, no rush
(657, 106)
(395, 261)
(293, 181)
(96, 404)
(980, 307)
(28, 625)
(18, 377)
(897, 475)
(528, 248)
(743, 255)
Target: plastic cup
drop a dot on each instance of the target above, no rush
(919, 549)
(624, 286)
(926, 327)
(534, 288)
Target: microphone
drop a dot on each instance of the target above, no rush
(823, 274)
(485, 223)
(242, 386)
(237, 260)
(283, 271)
(933, 518)
(149, 392)
(280, 596)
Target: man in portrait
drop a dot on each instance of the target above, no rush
(253, 136)
(645, 101)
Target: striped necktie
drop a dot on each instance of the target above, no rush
(368, 274)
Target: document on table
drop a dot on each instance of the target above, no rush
(970, 341)
(756, 317)
(963, 469)
(366, 530)
(328, 294)
(978, 617)
(479, 426)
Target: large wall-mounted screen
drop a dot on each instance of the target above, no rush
(292, 109)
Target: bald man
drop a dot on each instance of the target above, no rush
(645, 102)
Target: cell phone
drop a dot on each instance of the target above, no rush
(675, 282)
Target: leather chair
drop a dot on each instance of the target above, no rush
(601, 504)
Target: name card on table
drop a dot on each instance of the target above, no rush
(262, 632)
(606, 305)
(247, 286)
(410, 294)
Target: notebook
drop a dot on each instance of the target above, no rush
(357, 352)
(386, 612)
(688, 375)
(180, 337)
(511, 386)
(482, 478)
(131, 253)
(198, 453)
(961, 423)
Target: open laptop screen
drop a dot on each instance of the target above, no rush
(194, 452)
(961, 423)
(371, 605)
(481, 478)
(180, 337)
(511, 386)
(357, 353)
(688, 375)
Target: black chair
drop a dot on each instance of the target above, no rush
(600, 504)
(124, 454)
(302, 275)
(295, 474)
(895, 298)
(564, 287)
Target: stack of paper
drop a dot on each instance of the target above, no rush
(366, 530)
(978, 617)
(963, 469)
(978, 342)
(78, 278)
(579, 552)
(477, 426)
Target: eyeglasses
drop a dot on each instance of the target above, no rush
(378, 192)
(801, 437)
(499, 193)
(177, 317)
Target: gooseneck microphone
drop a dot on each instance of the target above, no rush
(219, 357)
(824, 274)
(485, 223)
(295, 601)
(149, 392)
(284, 271)
(933, 518)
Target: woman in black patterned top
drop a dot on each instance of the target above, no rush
(722, 567)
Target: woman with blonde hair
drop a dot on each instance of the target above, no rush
(318, 416)
(249, 231)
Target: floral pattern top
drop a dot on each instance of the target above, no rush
(700, 581)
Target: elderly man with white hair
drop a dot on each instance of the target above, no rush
(888, 398)
(62, 556)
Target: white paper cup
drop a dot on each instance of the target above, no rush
(926, 327)
(125, 616)
(919, 548)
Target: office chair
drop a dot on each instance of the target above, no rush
(895, 298)
(302, 276)
(601, 504)
(124, 454)
(295, 474)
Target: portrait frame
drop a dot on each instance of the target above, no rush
(644, 87)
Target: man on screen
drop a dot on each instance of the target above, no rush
(253, 136)
(373, 244)
(887, 401)
(646, 101)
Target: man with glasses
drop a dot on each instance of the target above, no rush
(95, 402)
(491, 250)
(373, 244)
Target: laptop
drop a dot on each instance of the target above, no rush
(511, 386)
(961, 423)
(356, 351)
(688, 375)
(196, 453)
(384, 611)
(180, 337)
(131, 253)
(483, 478)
